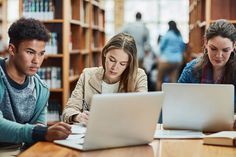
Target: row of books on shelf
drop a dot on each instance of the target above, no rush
(51, 75)
(96, 39)
(54, 111)
(39, 9)
(51, 45)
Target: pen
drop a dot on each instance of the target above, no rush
(85, 106)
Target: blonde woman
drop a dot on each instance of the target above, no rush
(119, 74)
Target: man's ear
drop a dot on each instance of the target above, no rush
(11, 49)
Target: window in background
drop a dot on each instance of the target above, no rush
(177, 10)
(109, 18)
(12, 12)
(155, 13)
(150, 15)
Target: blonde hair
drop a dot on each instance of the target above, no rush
(127, 43)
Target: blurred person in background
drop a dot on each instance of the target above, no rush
(172, 48)
(141, 36)
(149, 65)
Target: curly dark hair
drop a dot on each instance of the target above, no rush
(27, 29)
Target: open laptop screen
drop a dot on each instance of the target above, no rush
(120, 119)
(203, 107)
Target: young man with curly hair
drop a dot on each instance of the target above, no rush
(23, 96)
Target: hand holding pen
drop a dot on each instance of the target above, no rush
(83, 117)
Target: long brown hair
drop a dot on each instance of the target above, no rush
(224, 29)
(127, 43)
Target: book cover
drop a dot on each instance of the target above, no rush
(224, 138)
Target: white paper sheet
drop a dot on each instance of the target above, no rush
(177, 134)
(78, 129)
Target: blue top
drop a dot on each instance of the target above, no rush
(18, 132)
(187, 76)
(171, 47)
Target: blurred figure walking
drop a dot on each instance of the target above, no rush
(171, 55)
(141, 35)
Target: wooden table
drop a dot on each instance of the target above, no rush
(158, 148)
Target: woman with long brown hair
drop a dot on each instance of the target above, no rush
(218, 63)
(119, 74)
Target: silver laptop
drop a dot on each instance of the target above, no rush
(201, 107)
(118, 120)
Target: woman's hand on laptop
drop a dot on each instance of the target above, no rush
(58, 131)
(82, 118)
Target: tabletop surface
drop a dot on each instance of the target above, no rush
(158, 148)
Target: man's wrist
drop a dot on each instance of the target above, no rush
(39, 133)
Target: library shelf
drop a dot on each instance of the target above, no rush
(53, 56)
(56, 90)
(201, 14)
(74, 78)
(70, 49)
(3, 27)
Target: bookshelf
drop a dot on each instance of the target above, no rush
(3, 27)
(77, 37)
(201, 14)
